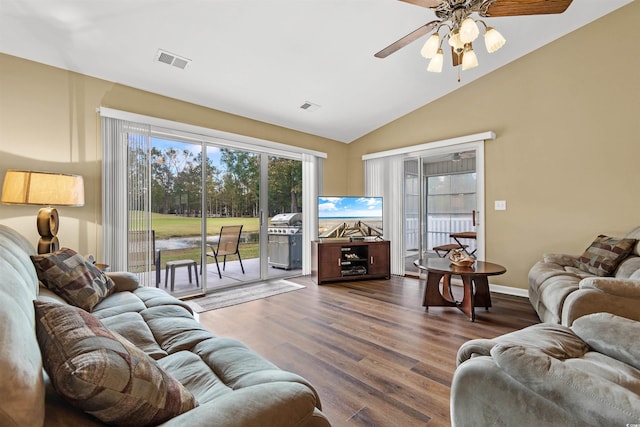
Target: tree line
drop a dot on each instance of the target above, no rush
(230, 189)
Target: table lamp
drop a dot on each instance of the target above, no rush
(43, 188)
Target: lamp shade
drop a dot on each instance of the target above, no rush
(42, 188)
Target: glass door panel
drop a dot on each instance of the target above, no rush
(176, 214)
(284, 217)
(232, 206)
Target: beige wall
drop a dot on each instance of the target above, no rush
(567, 149)
(565, 158)
(48, 121)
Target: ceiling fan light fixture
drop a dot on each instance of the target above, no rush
(455, 42)
(469, 31)
(430, 48)
(435, 65)
(469, 58)
(493, 40)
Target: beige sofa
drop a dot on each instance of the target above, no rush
(230, 384)
(560, 292)
(551, 375)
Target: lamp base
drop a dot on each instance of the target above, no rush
(47, 245)
(47, 223)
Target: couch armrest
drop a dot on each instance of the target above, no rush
(626, 288)
(602, 294)
(273, 404)
(552, 339)
(564, 260)
(474, 348)
(123, 280)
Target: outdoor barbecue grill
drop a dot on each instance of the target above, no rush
(285, 241)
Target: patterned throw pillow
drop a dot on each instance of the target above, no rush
(604, 255)
(102, 373)
(75, 279)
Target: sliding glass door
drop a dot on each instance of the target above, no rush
(443, 192)
(210, 210)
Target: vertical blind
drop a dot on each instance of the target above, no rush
(384, 177)
(126, 199)
(126, 171)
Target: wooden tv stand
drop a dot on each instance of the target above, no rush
(338, 261)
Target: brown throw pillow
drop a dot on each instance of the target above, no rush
(604, 254)
(102, 373)
(75, 279)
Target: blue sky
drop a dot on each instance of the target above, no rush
(213, 153)
(350, 207)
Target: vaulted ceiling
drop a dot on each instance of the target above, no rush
(264, 59)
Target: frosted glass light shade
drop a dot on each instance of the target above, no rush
(435, 65)
(430, 48)
(493, 40)
(469, 30)
(469, 58)
(455, 42)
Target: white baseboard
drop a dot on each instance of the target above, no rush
(508, 290)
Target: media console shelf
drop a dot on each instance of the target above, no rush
(337, 261)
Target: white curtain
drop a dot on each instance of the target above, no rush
(311, 188)
(384, 177)
(126, 203)
(126, 169)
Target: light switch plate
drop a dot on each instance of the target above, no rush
(501, 205)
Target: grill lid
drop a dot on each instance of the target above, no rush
(286, 219)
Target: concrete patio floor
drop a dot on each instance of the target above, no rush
(231, 275)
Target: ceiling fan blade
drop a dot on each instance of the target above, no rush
(526, 7)
(424, 3)
(412, 36)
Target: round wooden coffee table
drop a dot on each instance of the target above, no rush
(474, 280)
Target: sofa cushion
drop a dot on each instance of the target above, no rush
(634, 234)
(604, 254)
(628, 268)
(102, 373)
(71, 276)
(600, 390)
(612, 335)
(132, 327)
(21, 384)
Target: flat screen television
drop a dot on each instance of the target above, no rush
(349, 217)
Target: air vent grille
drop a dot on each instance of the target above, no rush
(172, 59)
(309, 106)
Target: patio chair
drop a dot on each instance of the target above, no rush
(228, 244)
(138, 244)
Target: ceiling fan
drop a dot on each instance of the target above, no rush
(457, 16)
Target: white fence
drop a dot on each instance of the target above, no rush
(438, 230)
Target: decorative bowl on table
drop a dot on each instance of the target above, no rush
(460, 259)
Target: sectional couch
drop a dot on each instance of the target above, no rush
(606, 277)
(125, 355)
(581, 367)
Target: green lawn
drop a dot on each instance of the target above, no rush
(167, 226)
(178, 226)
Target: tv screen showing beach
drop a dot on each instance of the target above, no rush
(349, 216)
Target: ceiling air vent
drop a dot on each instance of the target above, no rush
(172, 59)
(309, 106)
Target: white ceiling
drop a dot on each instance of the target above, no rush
(263, 59)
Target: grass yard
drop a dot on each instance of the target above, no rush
(167, 226)
(173, 226)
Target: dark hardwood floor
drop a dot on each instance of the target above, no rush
(376, 357)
